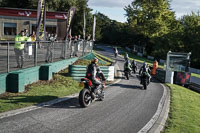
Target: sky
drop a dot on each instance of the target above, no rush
(114, 9)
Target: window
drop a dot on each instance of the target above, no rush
(49, 28)
(10, 29)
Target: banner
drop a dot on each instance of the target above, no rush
(94, 27)
(182, 78)
(41, 19)
(70, 16)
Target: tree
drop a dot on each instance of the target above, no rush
(150, 19)
(191, 36)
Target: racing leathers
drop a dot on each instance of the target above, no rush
(127, 66)
(145, 70)
(92, 75)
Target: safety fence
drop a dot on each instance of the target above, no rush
(39, 52)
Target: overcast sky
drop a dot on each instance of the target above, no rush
(114, 8)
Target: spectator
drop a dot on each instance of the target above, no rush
(26, 32)
(155, 66)
(50, 44)
(79, 38)
(19, 48)
(75, 46)
(89, 37)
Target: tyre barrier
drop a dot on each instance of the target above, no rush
(79, 71)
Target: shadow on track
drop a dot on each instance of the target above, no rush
(128, 86)
(71, 103)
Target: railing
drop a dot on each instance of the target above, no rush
(40, 52)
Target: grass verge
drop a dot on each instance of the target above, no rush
(98, 49)
(196, 75)
(39, 92)
(184, 116)
(103, 57)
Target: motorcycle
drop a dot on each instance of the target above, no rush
(127, 73)
(144, 80)
(134, 69)
(116, 54)
(87, 95)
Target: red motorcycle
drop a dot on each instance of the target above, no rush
(87, 95)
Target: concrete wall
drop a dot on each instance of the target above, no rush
(15, 81)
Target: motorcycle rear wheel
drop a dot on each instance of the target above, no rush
(145, 85)
(85, 98)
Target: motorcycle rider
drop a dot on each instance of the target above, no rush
(126, 57)
(91, 74)
(134, 66)
(127, 66)
(145, 69)
(115, 52)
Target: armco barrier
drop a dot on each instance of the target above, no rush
(47, 70)
(160, 75)
(15, 81)
(79, 71)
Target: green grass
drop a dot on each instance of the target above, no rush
(87, 62)
(196, 75)
(103, 57)
(184, 116)
(98, 49)
(41, 91)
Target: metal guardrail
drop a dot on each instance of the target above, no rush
(40, 52)
(194, 86)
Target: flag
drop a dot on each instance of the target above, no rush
(84, 25)
(41, 19)
(70, 16)
(94, 27)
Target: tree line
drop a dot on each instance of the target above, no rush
(150, 23)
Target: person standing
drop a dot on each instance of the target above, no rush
(75, 46)
(19, 48)
(155, 66)
(49, 54)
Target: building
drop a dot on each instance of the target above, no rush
(13, 20)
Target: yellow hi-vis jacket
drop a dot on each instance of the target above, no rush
(19, 42)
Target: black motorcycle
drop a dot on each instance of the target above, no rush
(134, 69)
(144, 80)
(127, 73)
(87, 95)
(116, 54)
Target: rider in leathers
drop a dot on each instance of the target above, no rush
(144, 69)
(127, 66)
(91, 74)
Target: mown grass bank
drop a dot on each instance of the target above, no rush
(184, 116)
(41, 91)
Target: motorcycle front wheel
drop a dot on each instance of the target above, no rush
(85, 98)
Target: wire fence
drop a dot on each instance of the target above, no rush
(40, 52)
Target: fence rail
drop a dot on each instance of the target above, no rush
(40, 52)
